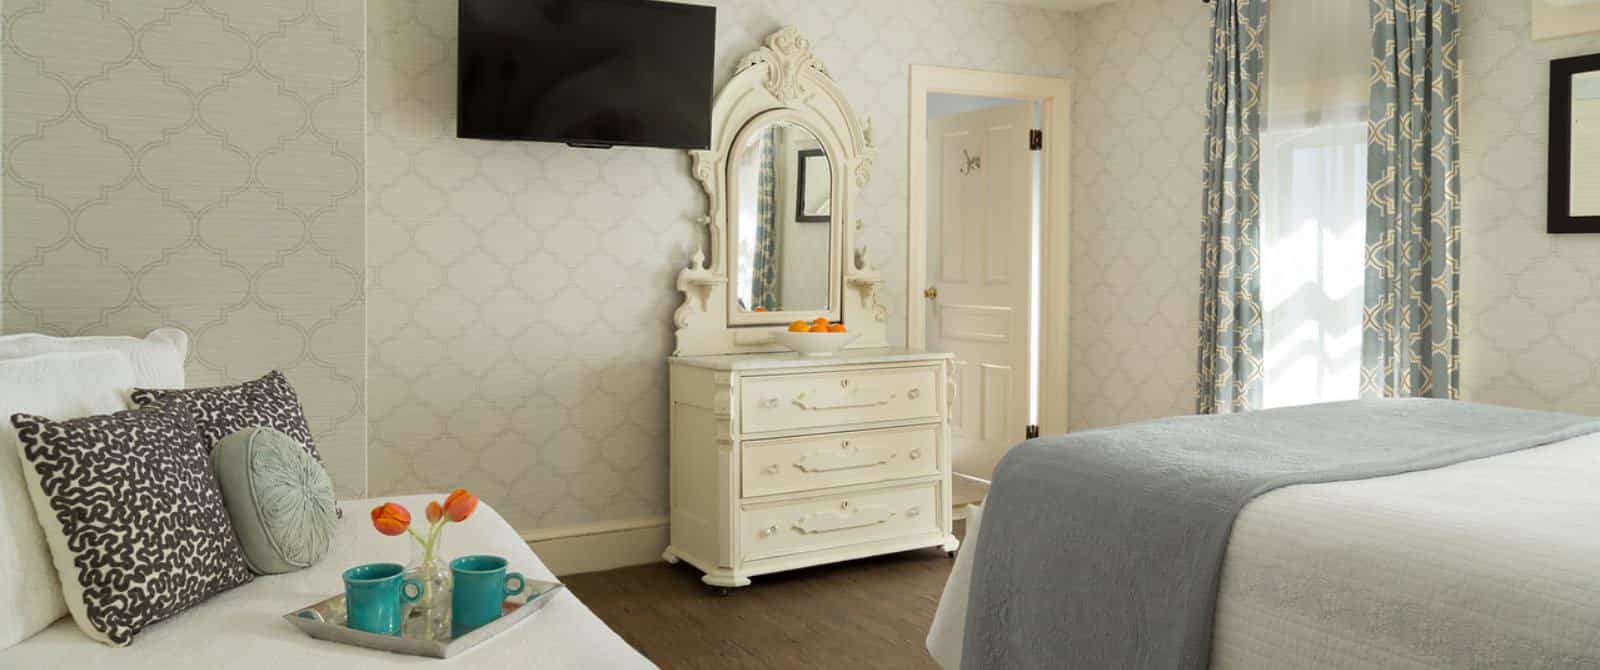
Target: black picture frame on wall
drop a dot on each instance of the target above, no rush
(1562, 220)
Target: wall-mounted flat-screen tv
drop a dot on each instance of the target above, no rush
(593, 73)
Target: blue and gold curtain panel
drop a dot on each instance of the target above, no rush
(1410, 340)
(1231, 344)
(764, 292)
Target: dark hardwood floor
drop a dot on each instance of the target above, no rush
(871, 613)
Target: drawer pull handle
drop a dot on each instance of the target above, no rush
(769, 531)
(769, 403)
(800, 401)
(847, 518)
(914, 512)
(915, 454)
(844, 383)
(771, 469)
(826, 459)
(914, 394)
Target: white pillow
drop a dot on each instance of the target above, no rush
(157, 358)
(59, 386)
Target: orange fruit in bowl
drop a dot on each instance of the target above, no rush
(819, 321)
(799, 327)
(819, 328)
(836, 328)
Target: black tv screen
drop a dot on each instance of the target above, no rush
(586, 72)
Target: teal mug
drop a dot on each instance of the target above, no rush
(374, 595)
(479, 590)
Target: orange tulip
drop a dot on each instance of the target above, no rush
(460, 504)
(391, 519)
(435, 511)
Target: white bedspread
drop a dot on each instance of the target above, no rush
(243, 628)
(1493, 563)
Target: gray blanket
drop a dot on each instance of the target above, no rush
(1103, 549)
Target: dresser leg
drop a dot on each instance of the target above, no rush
(950, 545)
(669, 556)
(725, 581)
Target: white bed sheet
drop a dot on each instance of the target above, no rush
(1493, 563)
(243, 628)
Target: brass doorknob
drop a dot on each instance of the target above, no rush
(930, 293)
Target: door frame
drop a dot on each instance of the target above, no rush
(1055, 118)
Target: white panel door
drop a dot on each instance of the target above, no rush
(980, 214)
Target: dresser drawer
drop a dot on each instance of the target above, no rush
(832, 399)
(840, 459)
(780, 529)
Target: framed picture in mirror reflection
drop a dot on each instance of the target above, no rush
(813, 192)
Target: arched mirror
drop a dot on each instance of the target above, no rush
(786, 162)
(783, 234)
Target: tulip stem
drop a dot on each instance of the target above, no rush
(434, 530)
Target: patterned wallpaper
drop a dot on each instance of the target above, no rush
(1138, 126)
(520, 294)
(195, 163)
(1530, 306)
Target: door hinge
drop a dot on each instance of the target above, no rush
(1033, 432)
(1035, 140)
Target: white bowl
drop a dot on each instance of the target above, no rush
(816, 344)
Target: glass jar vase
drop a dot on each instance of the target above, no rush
(430, 615)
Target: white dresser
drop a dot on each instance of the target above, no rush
(781, 462)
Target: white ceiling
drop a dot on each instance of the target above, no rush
(1062, 5)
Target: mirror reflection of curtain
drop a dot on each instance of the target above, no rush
(765, 283)
(1313, 189)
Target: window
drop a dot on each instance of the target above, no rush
(1313, 209)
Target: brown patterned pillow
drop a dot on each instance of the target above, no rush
(130, 508)
(221, 411)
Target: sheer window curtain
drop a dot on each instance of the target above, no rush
(1313, 189)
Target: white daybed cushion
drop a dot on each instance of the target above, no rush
(244, 628)
(157, 358)
(61, 386)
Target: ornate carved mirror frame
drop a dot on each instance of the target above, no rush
(781, 80)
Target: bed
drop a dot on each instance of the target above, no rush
(243, 628)
(1486, 562)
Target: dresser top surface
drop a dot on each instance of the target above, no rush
(789, 359)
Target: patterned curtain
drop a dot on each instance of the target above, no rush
(1409, 329)
(764, 290)
(1230, 287)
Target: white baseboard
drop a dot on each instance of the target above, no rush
(979, 480)
(592, 547)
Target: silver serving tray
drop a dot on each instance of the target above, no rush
(326, 621)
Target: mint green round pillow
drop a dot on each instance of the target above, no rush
(279, 498)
